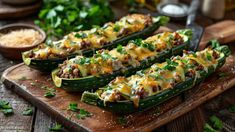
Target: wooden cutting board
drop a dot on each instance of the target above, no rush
(31, 89)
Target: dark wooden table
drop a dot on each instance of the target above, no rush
(40, 122)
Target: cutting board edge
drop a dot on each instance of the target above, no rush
(15, 87)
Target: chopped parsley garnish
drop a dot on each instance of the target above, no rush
(170, 65)
(106, 56)
(83, 114)
(208, 128)
(73, 107)
(217, 123)
(80, 61)
(6, 107)
(121, 50)
(28, 112)
(208, 56)
(214, 125)
(184, 61)
(116, 28)
(80, 35)
(122, 120)
(56, 128)
(49, 94)
(169, 39)
(151, 47)
(137, 42)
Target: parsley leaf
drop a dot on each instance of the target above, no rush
(83, 114)
(121, 50)
(208, 128)
(217, 123)
(116, 28)
(170, 65)
(80, 35)
(137, 42)
(151, 47)
(208, 56)
(73, 107)
(6, 107)
(28, 112)
(49, 94)
(56, 128)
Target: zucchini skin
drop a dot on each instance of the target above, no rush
(94, 82)
(50, 64)
(127, 107)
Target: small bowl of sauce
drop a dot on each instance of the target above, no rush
(177, 11)
(17, 38)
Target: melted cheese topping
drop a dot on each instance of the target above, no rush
(106, 62)
(76, 42)
(161, 76)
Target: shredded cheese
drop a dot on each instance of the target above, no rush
(20, 38)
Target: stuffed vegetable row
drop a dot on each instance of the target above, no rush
(155, 85)
(47, 56)
(85, 73)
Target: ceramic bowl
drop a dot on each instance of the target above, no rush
(15, 52)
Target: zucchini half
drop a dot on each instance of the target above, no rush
(50, 64)
(125, 107)
(94, 82)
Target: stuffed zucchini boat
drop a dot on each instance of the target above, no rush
(150, 87)
(47, 56)
(86, 73)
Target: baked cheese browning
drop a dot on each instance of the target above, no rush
(159, 77)
(76, 42)
(106, 62)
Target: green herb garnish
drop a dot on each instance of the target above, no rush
(151, 47)
(83, 114)
(80, 35)
(49, 94)
(6, 107)
(217, 123)
(208, 128)
(28, 112)
(73, 107)
(208, 56)
(116, 28)
(60, 17)
(121, 50)
(137, 42)
(170, 65)
(80, 61)
(56, 128)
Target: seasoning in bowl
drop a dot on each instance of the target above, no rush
(20, 38)
(173, 10)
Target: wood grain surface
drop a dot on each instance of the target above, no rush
(105, 121)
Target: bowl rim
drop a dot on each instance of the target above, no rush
(161, 5)
(22, 26)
